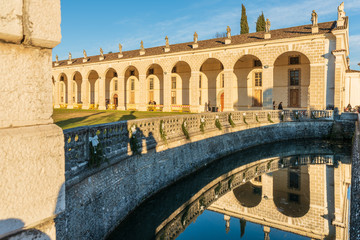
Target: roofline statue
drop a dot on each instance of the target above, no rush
(314, 18)
(84, 52)
(228, 32)
(267, 25)
(195, 37)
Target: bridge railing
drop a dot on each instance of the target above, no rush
(115, 138)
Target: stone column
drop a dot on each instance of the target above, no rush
(194, 91)
(266, 233)
(32, 165)
(142, 98)
(267, 191)
(56, 95)
(102, 104)
(268, 86)
(167, 91)
(85, 93)
(228, 89)
(121, 92)
(339, 78)
(227, 223)
(70, 103)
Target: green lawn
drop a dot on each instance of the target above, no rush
(71, 118)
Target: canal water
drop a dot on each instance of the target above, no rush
(286, 190)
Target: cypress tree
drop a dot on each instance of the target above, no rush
(260, 23)
(244, 23)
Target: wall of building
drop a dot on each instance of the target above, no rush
(352, 89)
(95, 204)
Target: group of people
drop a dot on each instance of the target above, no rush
(350, 109)
(280, 106)
(152, 102)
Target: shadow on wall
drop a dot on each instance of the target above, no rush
(13, 224)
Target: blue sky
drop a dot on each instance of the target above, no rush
(91, 24)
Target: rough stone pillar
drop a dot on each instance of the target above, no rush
(32, 147)
(56, 95)
(121, 93)
(167, 91)
(70, 103)
(142, 98)
(85, 94)
(266, 233)
(102, 103)
(194, 91)
(268, 86)
(228, 89)
(227, 223)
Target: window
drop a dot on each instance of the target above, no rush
(200, 97)
(294, 198)
(115, 74)
(258, 79)
(116, 85)
(132, 73)
(294, 77)
(151, 71)
(173, 83)
(294, 60)
(132, 84)
(151, 83)
(62, 78)
(173, 97)
(257, 63)
(222, 81)
(173, 70)
(200, 81)
(294, 180)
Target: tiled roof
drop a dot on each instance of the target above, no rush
(292, 32)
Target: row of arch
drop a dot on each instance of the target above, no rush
(246, 85)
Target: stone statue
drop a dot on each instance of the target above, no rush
(84, 52)
(57, 58)
(314, 18)
(167, 42)
(228, 32)
(101, 52)
(267, 25)
(142, 45)
(341, 12)
(120, 48)
(195, 37)
(70, 56)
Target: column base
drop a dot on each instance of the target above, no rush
(70, 106)
(121, 108)
(102, 107)
(57, 106)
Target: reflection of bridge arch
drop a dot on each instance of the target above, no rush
(241, 178)
(249, 195)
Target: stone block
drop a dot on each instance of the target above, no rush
(42, 22)
(11, 20)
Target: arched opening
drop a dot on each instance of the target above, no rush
(63, 90)
(180, 84)
(131, 88)
(291, 191)
(212, 83)
(249, 194)
(77, 82)
(155, 87)
(111, 88)
(93, 90)
(292, 80)
(249, 82)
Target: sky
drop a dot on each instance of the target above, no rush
(91, 24)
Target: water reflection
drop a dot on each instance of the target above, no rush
(283, 189)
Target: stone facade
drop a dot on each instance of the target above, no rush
(32, 156)
(246, 73)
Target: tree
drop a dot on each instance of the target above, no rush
(244, 23)
(260, 23)
(220, 35)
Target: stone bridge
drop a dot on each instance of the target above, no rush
(134, 159)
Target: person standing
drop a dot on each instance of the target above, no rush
(280, 107)
(274, 105)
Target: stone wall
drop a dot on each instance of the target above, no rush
(355, 186)
(31, 150)
(97, 199)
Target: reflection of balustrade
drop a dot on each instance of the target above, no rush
(114, 137)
